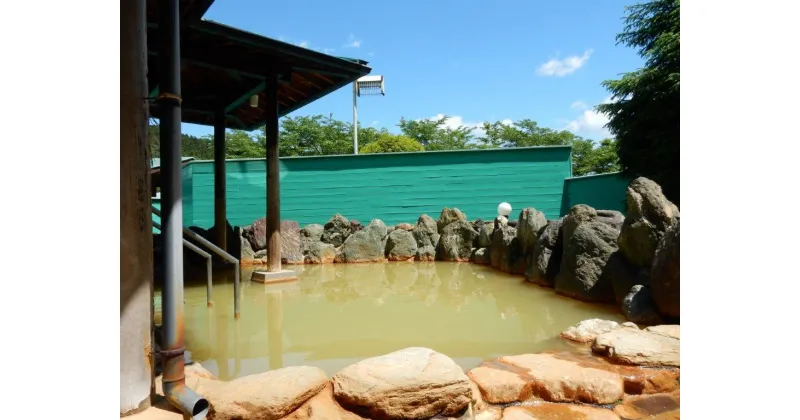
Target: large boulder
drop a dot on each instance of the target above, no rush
(269, 395)
(624, 275)
(485, 230)
(426, 232)
(413, 383)
(291, 243)
(337, 230)
(588, 245)
(545, 262)
(588, 329)
(639, 347)
(448, 216)
(455, 243)
(557, 411)
(530, 222)
(401, 245)
(512, 379)
(649, 216)
(366, 245)
(246, 254)
(320, 253)
(505, 252)
(311, 233)
(666, 273)
(426, 253)
(638, 306)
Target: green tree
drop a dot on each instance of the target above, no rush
(436, 135)
(390, 143)
(646, 116)
(318, 135)
(240, 144)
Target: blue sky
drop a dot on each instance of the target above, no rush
(472, 60)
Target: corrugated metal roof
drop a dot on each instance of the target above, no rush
(156, 162)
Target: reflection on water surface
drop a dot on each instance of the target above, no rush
(337, 314)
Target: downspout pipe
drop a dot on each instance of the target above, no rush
(183, 398)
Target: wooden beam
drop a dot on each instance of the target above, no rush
(220, 207)
(273, 174)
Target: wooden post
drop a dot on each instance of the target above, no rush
(273, 175)
(220, 206)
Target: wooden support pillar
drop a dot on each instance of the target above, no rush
(220, 205)
(273, 175)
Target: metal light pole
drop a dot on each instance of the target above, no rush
(367, 85)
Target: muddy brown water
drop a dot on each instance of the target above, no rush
(338, 314)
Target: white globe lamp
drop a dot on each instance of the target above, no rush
(504, 209)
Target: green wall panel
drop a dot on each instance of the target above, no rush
(393, 187)
(603, 192)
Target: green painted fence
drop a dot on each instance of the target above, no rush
(395, 187)
(605, 191)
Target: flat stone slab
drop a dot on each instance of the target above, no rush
(274, 276)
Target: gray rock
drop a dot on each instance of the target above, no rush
(366, 245)
(505, 252)
(480, 256)
(291, 244)
(485, 234)
(404, 226)
(649, 216)
(313, 232)
(611, 217)
(528, 226)
(546, 260)
(320, 253)
(639, 307)
(623, 275)
(337, 230)
(426, 253)
(456, 241)
(448, 216)
(588, 245)
(246, 253)
(401, 245)
(666, 273)
(426, 233)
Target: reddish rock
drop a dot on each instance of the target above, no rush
(269, 395)
(323, 407)
(413, 383)
(291, 239)
(663, 406)
(638, 380)
(673, 331)
(587, 330)
(545, 376)
(639, 347)
(551, 411)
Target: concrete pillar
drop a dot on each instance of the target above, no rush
(136, 236)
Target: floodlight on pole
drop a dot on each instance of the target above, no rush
(367, 86)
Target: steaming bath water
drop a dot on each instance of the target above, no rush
(338, 314)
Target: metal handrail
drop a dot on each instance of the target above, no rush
(217, 250)
(203, 254)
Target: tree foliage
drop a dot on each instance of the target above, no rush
(645, 118)
(391, 143)
(318, 135)
(436, 134)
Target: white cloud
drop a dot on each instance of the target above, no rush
(560, 68)
(590, 122)
(579, 105)
(303, 44)
(455, 121)
(374, 123)
(352, 42)
(328, 50)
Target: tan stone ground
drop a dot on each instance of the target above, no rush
(419, 383)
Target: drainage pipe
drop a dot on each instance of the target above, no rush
(178, 394)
